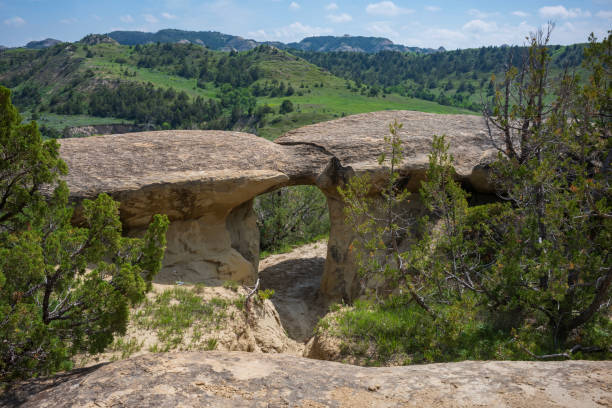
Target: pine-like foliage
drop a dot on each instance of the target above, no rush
(64, 289)
(533, 269)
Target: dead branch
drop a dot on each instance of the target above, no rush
(247, 301)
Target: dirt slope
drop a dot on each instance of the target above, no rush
(296, 277)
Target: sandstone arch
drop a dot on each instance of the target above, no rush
(205, 182)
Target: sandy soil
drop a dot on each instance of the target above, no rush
(296, 277)
(282, 324)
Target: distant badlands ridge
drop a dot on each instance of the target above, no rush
(225, 42)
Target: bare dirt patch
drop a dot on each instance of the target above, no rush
(197, 317)
(296, 278)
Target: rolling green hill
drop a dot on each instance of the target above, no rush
(459, 78)
(354, 44)
(188, 86)
(211, 39)
(224, 42)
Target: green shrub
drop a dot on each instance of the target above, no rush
(63, 289)
(286, 107)
(399, 331)
(535, 271)
(265, 294)
(291, 216)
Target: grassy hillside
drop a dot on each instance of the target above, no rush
(187, 86)
(459, 78)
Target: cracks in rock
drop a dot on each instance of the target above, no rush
(333, 172)
(336, 173)
(316, 146)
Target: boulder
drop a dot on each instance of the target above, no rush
(205, 182)
(239, 379)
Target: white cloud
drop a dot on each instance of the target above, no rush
(15, 21)
(126, 19)
(260, 34)
(294, 6)
(476, 33)
(520, 13)
(504, 31)
(433, 9)
(481, 14)
(331, 7)
(96, 17)
(568, 27)
(382, 28)
(480, 26)
(562, 12)
(150, 18)
(605, 14)
(578, 29)
(339, 18)
(387, 9)
(293, 32)
(436, 37)
(168, 16)
(68, 20)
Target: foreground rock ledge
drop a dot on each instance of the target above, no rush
(221, 379)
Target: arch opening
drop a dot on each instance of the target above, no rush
(294, 228)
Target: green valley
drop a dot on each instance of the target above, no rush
(186, 86)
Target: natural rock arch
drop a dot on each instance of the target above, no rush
(205, 181)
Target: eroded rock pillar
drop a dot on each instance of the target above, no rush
(201, 250)
(340, 279)
(213, 235)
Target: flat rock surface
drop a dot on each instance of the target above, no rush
(128, 162)
(124, 162)
(238, 379)
(357, 140)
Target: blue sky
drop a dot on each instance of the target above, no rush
(452, 24)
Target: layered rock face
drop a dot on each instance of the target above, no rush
(205, 182)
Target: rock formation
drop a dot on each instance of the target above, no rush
(221, 379)
(85, 131)
(356, 143)
(95, 39)
(205, 182)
